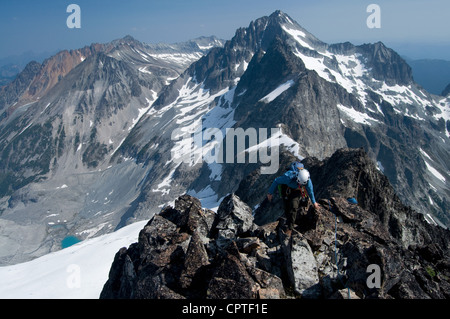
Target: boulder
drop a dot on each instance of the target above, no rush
(301, 265)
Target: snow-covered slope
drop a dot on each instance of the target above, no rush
(77, 272)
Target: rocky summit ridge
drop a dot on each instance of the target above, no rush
(187, 251)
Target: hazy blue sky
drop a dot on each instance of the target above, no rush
(415, 28)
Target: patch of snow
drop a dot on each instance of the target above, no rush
(298, 35)
(91, 232)
(165, 185)
(242, 67)
(349, 75)
(25, 128)
(202, 47)
(216, 171)
(356, 116)
(380, 167)
(277, 140)
(144, 70)
(195, 113)
(144, 110)
(277, 92)
(435, 172)
(143, 55)
(401, 95)
(429, 219)
(444, 107)
(168, 80)
(425, 154)
(178, 58)
(432, 187)
(45, 108)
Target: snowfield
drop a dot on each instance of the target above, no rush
(77, 272)
(277, 92)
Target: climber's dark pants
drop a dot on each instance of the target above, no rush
(293, 204)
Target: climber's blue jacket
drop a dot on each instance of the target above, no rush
(289, 179)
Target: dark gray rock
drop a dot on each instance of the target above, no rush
(301, 266)
(234, 218)
(171, 261)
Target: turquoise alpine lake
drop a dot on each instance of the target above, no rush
(69, 241)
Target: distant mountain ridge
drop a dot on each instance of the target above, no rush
(64, 118)
(57, 66)
(432, 74)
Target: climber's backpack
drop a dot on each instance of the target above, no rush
(288, 193)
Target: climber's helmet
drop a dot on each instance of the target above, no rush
(303, 177)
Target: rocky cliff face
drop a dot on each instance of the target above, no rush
(187, 251)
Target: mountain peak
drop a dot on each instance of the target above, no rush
(283, 18)
(295, 31)
(126, 40)
(278, 14)
(387, 65)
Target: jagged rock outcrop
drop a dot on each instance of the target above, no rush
(180, 254)
(187, 251)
